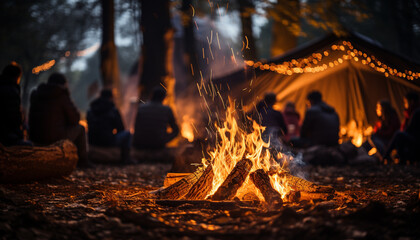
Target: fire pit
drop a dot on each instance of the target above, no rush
(242, 168)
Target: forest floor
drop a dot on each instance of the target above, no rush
(112, 202)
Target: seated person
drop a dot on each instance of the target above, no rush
(411, 104)
(106, 128)
(11, 121)
(385, 127)
(53, 117)
(320, 125)
(271, 119)
(292, 118)
(152, 122)
(407, 142)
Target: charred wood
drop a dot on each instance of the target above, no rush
(180, 188)
(262, 181)
(203, 186)
(234, 180)
(300, 184)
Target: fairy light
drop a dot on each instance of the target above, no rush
(304, 65)
(43, 67)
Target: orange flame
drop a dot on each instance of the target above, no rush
(235, 144)
(187, 128)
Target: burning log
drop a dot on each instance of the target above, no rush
(262, 181)
(234, 180)
(172, 178)
(203, 186)
(316, 196)
(293, 196)
(180, 188)
(303, 185)
(27, 163)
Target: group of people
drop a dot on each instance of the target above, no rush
(53, 116)
(321, 124)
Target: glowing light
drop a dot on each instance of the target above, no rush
(43, 67)
(303, 65)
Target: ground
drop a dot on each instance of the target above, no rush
(112, 202)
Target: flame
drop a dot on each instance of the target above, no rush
(356, 134)
(187, 128)
(234, 144)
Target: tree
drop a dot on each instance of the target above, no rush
(286, 25)
(156, 47)
(109, 62)
(246, 9)
(39, 31)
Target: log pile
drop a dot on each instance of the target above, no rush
(198, 185)
(27, 163)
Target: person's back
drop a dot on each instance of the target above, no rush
(152, 122)
(321, 123)
(413, 127)
(51, 112)
(11, 120)
(103, 118)
(53, 117)
(271, 119)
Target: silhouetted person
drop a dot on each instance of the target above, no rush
(152, 122)
(53, 116)
(411, 104)
(292, 119)
(320, 125)
(11, 120)
(271, 119)
(407, 142)
(385, 127)
(106, 128)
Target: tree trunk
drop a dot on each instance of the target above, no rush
(286, 16)
(234, 181)
(26, 163)
(109, 60)
(156, 47)
(190, 53)
(262, 181)
(246, 8)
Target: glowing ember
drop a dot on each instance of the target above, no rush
(235, 144)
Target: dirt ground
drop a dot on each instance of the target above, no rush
(112, 202)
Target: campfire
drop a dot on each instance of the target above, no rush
(241, 167)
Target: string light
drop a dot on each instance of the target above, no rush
(304, 65)
(43, 67)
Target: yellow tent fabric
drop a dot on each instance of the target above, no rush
(352, 88)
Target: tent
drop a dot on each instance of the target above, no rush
(351, 72)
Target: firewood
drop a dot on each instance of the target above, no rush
(300, 184)
(180, 188)
(234, 180)
(293, 196)
(203, 186)
(316, 196)
(29, 163)
(262, 181)
(172, 178)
